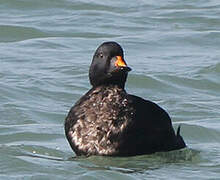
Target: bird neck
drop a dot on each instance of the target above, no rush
(110, 85)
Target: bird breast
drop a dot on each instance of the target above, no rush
(102, 120)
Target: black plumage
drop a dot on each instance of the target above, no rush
(108, 121)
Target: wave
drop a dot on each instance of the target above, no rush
(11, 33)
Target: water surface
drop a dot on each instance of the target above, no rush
(46, 48)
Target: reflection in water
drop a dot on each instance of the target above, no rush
(138, 164)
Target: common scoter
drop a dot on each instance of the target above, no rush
(108, 121)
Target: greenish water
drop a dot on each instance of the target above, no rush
(46, 47)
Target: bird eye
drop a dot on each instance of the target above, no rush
(101, 55)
